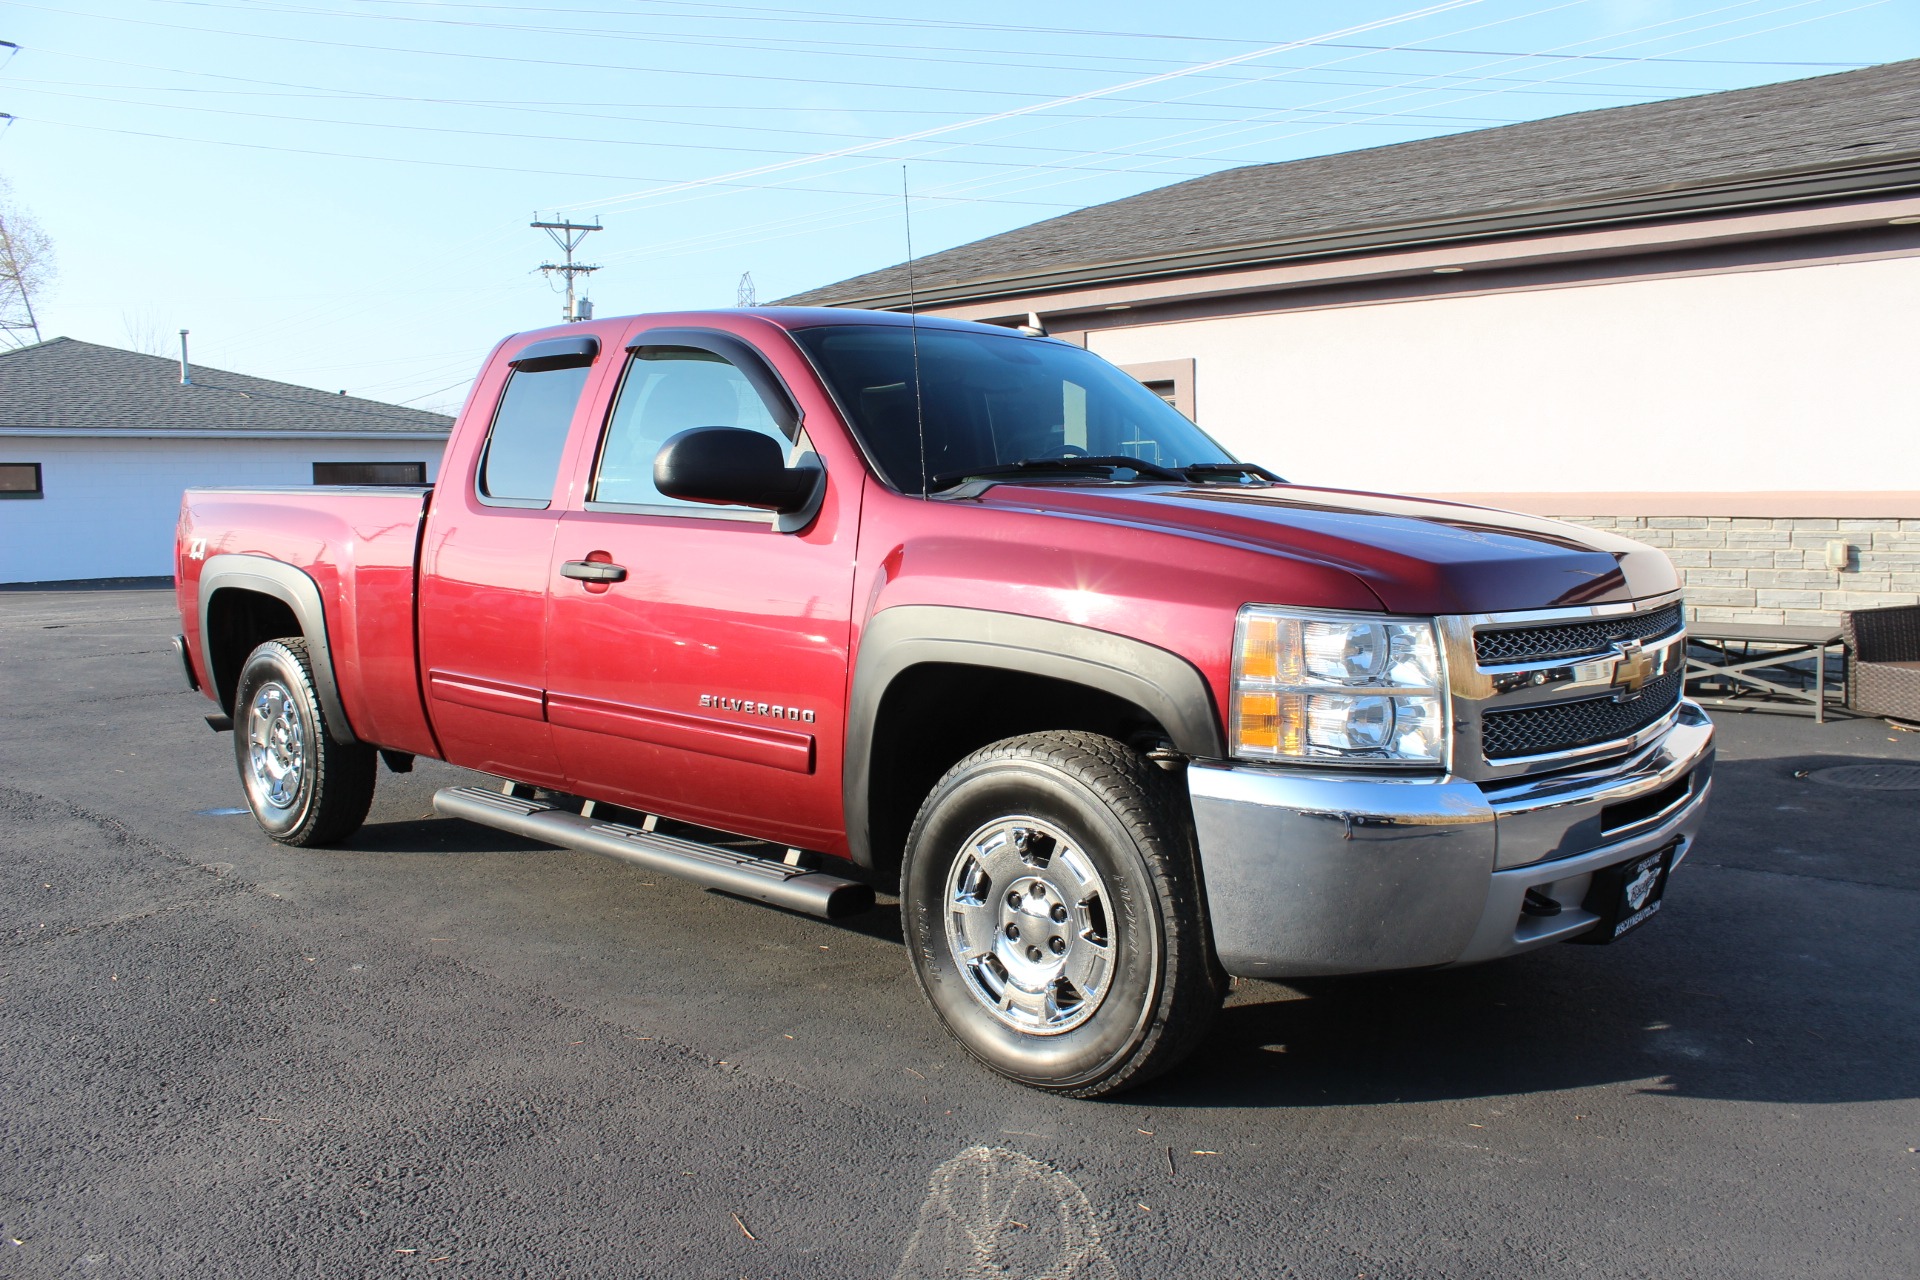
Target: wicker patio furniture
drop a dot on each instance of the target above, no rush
(1883, 661)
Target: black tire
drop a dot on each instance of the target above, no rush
(1128, 822)
(306, 787)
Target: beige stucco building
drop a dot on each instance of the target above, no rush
(1695, 321)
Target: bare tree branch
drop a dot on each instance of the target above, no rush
(144, 334)
(26, 268)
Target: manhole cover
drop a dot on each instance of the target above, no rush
(1870, 777)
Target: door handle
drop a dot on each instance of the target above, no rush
(593, 571)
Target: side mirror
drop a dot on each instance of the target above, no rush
(735, 467)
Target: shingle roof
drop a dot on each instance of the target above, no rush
(1855, 120)
(66, 384)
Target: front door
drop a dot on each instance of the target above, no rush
(708, 681)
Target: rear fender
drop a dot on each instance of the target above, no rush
(298, 592)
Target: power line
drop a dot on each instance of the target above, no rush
(537, 107)
(575, 64)
(846, 49)
(1002, 183)
(1093, 94)
(983, 183)
(496, 168)
(890, 109)
(753, 13)
(705, 147)
(977, 185)
(442, 391)
(1071, 99)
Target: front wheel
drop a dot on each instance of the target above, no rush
(304, 786)
(1053, 914)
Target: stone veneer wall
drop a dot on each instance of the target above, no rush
(1761, 569)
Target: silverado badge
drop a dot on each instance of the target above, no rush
(747, 706)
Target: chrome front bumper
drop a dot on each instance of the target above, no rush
(1309, 872)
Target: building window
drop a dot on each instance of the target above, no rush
(1171, 380)
(369, 473)
(20, 480)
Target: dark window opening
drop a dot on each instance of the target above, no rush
(1165, 390)
(369, 473)
(20, 480)
(529, 434)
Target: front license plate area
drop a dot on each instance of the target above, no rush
(1627, 895)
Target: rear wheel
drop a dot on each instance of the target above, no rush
(1053, 916)
(304, 786)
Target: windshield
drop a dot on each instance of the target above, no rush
(992, 401)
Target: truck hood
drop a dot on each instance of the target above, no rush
(1416, 555)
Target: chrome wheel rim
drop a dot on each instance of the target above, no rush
(1029, 925)
(276, 745)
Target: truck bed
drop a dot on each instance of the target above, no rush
(360, 546)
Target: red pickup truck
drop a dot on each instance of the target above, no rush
(800, 603)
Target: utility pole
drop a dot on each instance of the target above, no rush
(745, 295)
(568, 234)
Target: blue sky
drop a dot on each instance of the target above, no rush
(336, 192)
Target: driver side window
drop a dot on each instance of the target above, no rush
(667, 390)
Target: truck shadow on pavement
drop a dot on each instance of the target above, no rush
(437, 835)
(1785, 968)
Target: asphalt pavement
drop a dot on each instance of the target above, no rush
(440, 1050)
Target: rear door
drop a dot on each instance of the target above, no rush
(708, 683)
(483, 581)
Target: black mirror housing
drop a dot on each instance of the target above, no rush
(732, 466)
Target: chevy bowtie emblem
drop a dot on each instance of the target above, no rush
(1632, 671)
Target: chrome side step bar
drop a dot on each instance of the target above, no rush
(795, 888)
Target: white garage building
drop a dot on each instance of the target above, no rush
(97, 443)
(1695, 321)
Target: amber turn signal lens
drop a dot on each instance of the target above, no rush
(1270, 724)
(1269, 649)
(1260, 652)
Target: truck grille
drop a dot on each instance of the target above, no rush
(1572, 639)
(1562, 726)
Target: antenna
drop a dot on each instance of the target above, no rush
(568, 234)
(913, 328)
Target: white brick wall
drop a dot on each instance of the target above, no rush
(1755, 569)
(111, 505)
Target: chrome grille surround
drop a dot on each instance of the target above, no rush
(1510, 732)
(1583, 639)
(1476, 689)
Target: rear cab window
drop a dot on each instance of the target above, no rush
(528, 436)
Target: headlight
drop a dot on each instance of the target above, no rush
(1336, 687)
